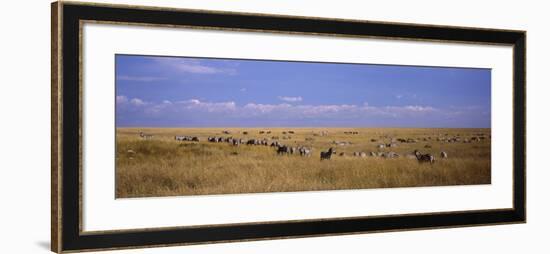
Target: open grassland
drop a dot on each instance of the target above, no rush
(163, 166)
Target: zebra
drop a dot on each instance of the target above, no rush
(443, 155)
(304, 151)
(235, 142)
(326, 155)
(283, 149)
(292, 150)
(391, 155)
(424, 157)
(145, 136)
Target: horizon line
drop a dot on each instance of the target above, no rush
(310, 127)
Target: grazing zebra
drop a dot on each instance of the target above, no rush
(283, 149)
(145, 136)
(326, 155)
(391, 155)
(424, 157)
(236, 142)
(292, 150)
(304, 151)
(186, 138)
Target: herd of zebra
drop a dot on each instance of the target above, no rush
(304, 151)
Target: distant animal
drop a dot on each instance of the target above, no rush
(342, 154)
(424, 157)
(290, 132)
(326, 155)
(443, 154)
(245, 132)
(304, 151)
(236, 142)
(391, 155)
(292, 150)
(145, 136)
(283, 149)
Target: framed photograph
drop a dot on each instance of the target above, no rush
(177, 126)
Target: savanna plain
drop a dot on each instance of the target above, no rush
(152, 162)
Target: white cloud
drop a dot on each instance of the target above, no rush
(417, 108)
(137, 102)
(285, 110)
(290, 99)
(193, 66)
(223, 111)
(121, 99)
(139, 78)
(265, 108)
(195, 104)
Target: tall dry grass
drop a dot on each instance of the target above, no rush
(164, 167)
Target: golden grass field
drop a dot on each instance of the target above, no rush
(162, 166)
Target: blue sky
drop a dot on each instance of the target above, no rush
(200, 92)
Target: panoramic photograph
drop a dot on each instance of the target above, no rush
(210, 126)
